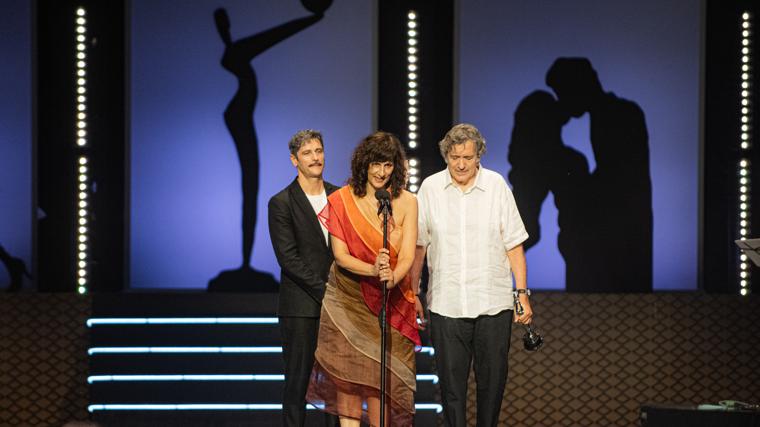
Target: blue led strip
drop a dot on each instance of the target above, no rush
(191, 321)
(221, 407)
(202, 377)
(183, 321)
(181, 350)
(194, 350)
(192, 377)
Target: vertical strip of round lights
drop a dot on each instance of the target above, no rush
(413, 103)
(82, 206)
(744, 166)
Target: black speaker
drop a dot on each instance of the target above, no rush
(691, 416)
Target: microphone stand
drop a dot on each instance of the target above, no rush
(384, 207)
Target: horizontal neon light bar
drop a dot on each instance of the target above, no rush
(428, 350)
(183, 350)
(429, 406)
(109, 378)
(428, 377)
(188, 350)
(183, 321)
(194, 377)
(188, 407)
(220, 407)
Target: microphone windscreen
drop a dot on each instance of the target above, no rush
(382, 194)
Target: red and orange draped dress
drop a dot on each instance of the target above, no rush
(347, 358)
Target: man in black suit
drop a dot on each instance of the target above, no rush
(301, 245)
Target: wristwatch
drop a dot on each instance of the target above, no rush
(522, 291)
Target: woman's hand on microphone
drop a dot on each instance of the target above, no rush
(386, 275)
(383, 260)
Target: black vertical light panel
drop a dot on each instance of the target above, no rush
(56, 152)
(722, 146)
(55, 144)
(108, 138)
(436, 75)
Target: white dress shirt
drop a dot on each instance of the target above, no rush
(467, 235)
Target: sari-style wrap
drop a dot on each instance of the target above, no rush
(347, 358)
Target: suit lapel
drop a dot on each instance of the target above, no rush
(329, 189)
(301, 203)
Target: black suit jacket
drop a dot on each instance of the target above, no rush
(301, 251)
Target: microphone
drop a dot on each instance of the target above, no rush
(384, 198)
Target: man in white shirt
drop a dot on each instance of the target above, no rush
(472, 233)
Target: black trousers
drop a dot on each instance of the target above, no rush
(482, 341)
(299, 341)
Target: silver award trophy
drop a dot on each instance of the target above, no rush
(532, 340)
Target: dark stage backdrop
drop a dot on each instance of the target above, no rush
(15, 134)
(647, 52)
(185, 173)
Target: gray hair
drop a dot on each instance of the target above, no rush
(460, 134)
(302, 137)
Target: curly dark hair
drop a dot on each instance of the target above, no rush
(378, 147)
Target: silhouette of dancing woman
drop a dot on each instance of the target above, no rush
(239, 113)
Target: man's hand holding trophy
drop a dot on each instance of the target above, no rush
(532, 340)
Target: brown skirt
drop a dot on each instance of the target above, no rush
(347, 358)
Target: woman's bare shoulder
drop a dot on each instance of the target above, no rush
(406, 200)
